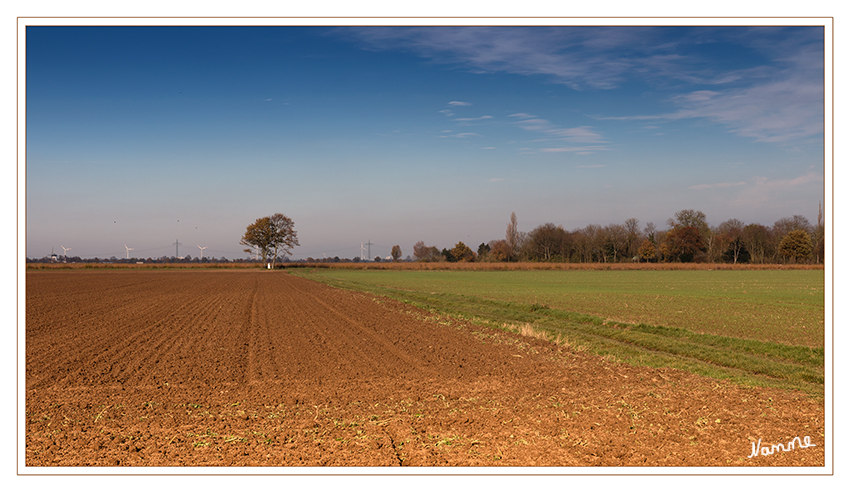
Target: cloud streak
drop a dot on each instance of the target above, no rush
(778, 101)
(480, 118)
(780, 111)
(551, 132)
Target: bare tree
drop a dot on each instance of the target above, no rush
(548, 242)
(730, 234)
(787, 224)
(650, 232)
(756, 239)
(512, 236)
(632, 232)
(425, 253)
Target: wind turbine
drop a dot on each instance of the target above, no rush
(65, 251)
(128, 251)
(202, 251)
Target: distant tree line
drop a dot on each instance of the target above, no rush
(113, 259)
(687, 238)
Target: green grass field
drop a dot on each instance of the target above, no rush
(763, 327)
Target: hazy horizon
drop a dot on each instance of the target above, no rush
(142, 136)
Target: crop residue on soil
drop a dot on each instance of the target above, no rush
(258, 368)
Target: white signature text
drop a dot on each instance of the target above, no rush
(806, 442)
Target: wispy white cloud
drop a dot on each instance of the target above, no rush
(460, 135)
(578, 57)
(578, 134)
(779, 111)
(551, 132)
(709, 186)
(584, 150)
(778, 100)
(780, 103)
(485, 117)
(459, 103)
(587, 57)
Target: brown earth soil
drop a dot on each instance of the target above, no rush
(260, 368)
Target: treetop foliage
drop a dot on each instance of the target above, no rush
(270, 237)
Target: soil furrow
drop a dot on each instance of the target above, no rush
(259, 368)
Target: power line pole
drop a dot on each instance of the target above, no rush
(177, 248)
(369, 244)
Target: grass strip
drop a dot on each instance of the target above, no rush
(743, 361)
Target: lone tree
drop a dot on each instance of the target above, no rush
(271, 236)
(396, 252)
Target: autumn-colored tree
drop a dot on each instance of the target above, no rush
(690, 218)
(683, 244)
(499, 250)
(425, 253)
(647, 251)
(781, 229)
(396, 252)
(271, 236)
(796, 246)
(461, 252)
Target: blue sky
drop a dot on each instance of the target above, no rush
(148, 135)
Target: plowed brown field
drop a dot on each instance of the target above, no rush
(260, 368)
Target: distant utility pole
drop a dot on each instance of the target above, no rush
(369, 255)
(177, 248)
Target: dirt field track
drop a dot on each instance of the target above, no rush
(260, 368)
